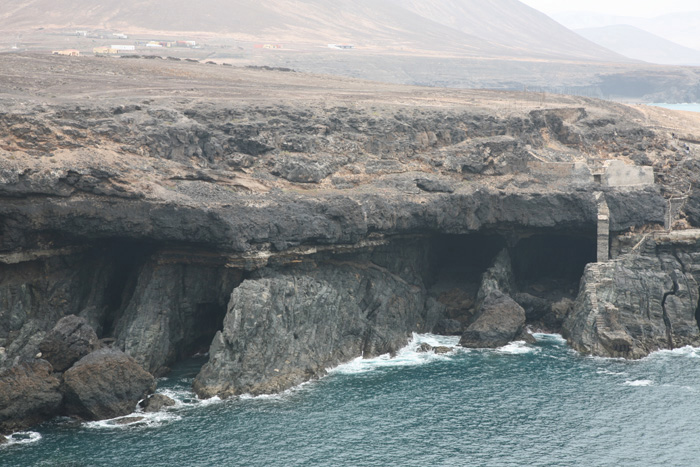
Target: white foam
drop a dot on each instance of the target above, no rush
(687, 351)
(517, 348)
(135, 419)
(542, 336)
(210, 401)
(279, 396)
(407, 356)
(21, 437)
(639, 382)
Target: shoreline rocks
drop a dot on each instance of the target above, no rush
(156, 403)
(70, 340)
(29, 394)
(500, 321)
(104, 384)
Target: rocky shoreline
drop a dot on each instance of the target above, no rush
(287, 238)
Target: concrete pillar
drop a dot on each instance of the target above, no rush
(603, 240)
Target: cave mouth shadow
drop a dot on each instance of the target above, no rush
(461, 259)
(547, 267)
(207, 321)
(124, 260)
(551, 264)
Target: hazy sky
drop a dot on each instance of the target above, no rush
(647, 8)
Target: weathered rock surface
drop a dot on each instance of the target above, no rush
(70, 340)
(497, 278)
(639, 303)
(173, 312)
(156, 403)
(535, 307)
(29, 394)
(440, 349)
(432, 185)
(301, 219)
(287, 327)
(449, 327)
(500, 321)
(105, 384)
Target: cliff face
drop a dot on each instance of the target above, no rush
(285, 238)
(642, 301)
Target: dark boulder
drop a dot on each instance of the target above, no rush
(500, 321)
(156, 403)
(434, 186)
(107, 383)
(70, 340)
(29, 394)
(440, 349)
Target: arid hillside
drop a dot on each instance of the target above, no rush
(494, 28)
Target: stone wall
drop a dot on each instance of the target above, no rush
(619, 174)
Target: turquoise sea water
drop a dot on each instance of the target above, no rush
(686, 107)
(539, 405)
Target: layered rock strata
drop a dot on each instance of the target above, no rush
(288, 224)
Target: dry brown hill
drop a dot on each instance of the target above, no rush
(483, 28)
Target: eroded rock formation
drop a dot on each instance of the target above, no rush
(104, 384)
(298, 228)
(640, 302)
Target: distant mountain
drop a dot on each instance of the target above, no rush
(641, 45)
(475, 28)
(510, 23)
(681, 28)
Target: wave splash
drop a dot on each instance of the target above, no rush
(639, 383)
(21, 437)
(407, 356)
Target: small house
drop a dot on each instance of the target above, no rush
(104, 51)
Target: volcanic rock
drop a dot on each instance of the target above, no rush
(434, 186)
(105, 384)
(640, 303)
(448, 327)
(440, 349)
(497, 278)
(156, 403)
(500, 321)
(284, 329)
(70, 340)
(29, 394)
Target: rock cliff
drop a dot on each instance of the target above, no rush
(640, 302)
(287, 223)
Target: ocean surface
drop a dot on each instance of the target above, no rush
(686, 107)
(538, 405)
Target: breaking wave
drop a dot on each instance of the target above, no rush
(21, 437)
(639, 382)
(407, 356)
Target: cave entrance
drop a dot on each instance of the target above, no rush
(457, 263)
(207, 319)
(124, 260)
(550, 266)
